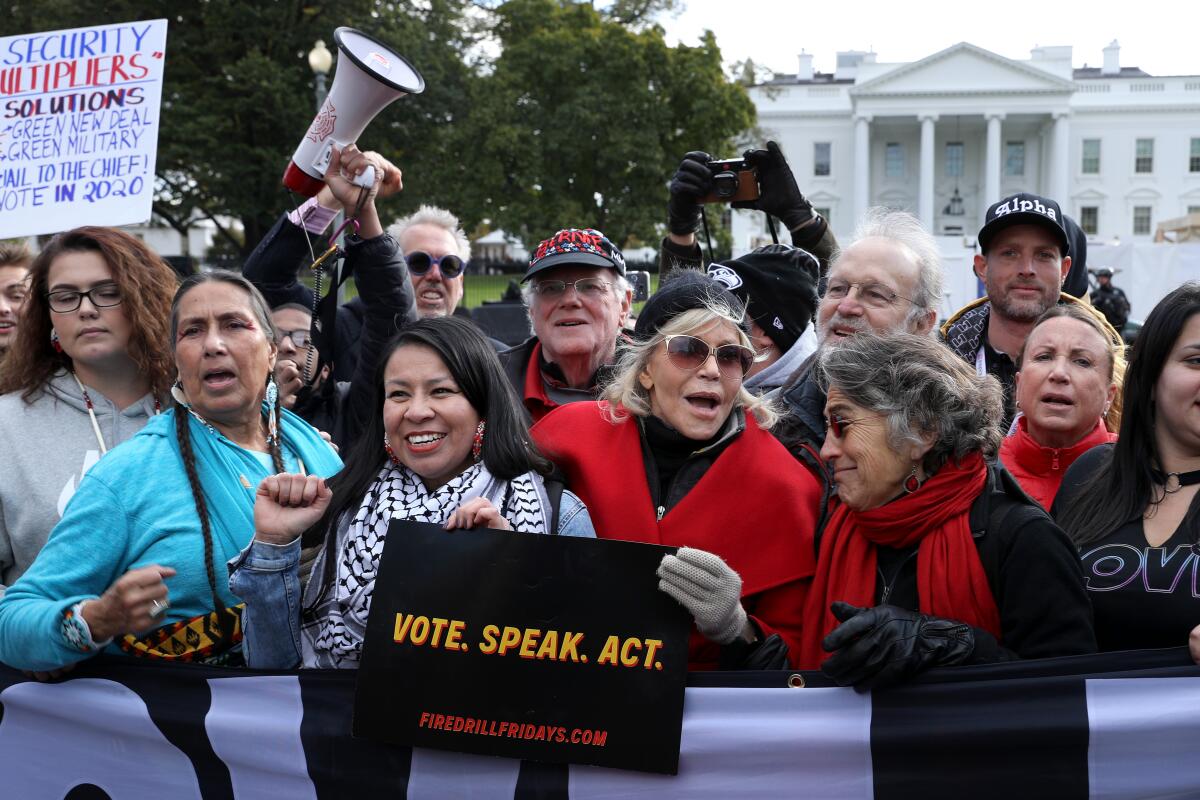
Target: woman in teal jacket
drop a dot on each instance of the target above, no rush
(132, 566)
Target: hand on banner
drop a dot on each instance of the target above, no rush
(48, 675)
(133, 604)
(886, 645)
(711, 592)
(477, 513)
(285, 506)
(1194, 644)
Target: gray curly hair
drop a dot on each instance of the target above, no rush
(922, 389)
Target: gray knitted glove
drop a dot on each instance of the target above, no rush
(711, 592)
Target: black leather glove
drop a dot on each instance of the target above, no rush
(779, 196)
(886, 645)
(691, 181)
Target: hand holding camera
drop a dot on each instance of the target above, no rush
(779, 196)
(691, 181)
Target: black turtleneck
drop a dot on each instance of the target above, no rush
(669, 449)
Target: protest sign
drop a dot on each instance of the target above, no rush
(553, 648)
(79, 115)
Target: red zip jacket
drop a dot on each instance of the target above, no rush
(1040, 469)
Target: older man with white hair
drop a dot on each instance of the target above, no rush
(888, 280)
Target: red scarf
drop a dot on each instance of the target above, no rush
(950, 578)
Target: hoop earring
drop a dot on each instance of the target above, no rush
(912, 482)
(477, 442)
(387, 448)
(272, 397)
(178, 394)
(54, 342)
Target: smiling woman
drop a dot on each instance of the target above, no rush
(159, 514)
(668, 458)
(88, 367)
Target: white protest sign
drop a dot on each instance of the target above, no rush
(79, 113)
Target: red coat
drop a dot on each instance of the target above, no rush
(1040, 469)
(756, 507)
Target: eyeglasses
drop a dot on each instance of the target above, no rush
(420, 262)
(837, 424)
(875, 295)
(105, 295)
(690, 353)
(588, 288)
(299, 338)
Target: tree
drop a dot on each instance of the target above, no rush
(583, 120)
(238, 93)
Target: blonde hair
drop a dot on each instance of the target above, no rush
(625, 393)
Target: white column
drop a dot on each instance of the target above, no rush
(991, 172)
(862, 165)
(1059, 164)
(925, 190)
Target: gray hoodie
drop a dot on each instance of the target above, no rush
(45, 448)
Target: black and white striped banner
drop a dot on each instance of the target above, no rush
(1114, 726)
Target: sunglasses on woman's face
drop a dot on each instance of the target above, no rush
(837, 424)
(690, 353)
(420, 262)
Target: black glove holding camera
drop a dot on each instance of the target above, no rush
(886, 645)
(691, 181)
(778, 194)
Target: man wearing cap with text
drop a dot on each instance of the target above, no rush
(578, 301)
(1023, 260)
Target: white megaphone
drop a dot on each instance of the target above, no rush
(369, 76)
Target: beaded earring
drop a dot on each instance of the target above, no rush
(272, 398)
(477, 442)
(387, 448)
(912, 482)
(178, 394)
(54, 342)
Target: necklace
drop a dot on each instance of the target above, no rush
(91, 409)
(1172, 482)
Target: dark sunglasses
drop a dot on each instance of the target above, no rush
(837, 424)
(690, 353)
(420, 262)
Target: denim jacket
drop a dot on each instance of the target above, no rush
(267, 578)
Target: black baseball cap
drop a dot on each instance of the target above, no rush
(1024, 209)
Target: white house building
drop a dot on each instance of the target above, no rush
(946, 136)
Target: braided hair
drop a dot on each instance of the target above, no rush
(182, 429)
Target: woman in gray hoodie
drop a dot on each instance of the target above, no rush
(89, 367)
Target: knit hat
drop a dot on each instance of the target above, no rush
(778, 283)
(684, 290)
(584, 246)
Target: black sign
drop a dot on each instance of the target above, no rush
(552, 648)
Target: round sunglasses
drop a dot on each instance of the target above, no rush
(690, 353)
(420, 262)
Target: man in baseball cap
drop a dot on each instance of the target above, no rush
(578, 301)
(1025, 255)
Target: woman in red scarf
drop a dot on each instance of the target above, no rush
(931, 555)
(1067, 389)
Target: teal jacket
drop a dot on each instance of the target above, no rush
(135, 508)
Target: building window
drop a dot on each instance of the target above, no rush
(1193, 210)
(1091, 156)
(1089, 220)
(1141, 220)
(822, 159)
(954, 159)
(894, 160)
(1014, 159)
(1144, 161)
(824, 213)
(1194, 158)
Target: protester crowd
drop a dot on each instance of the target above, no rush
(207, 471)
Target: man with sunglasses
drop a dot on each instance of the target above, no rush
(435, 249)
(888, 280)
(578, 301)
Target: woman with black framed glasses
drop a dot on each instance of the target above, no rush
(931, 555)
(679, 453)
(90, 366)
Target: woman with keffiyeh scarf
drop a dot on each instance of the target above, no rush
(450, 447)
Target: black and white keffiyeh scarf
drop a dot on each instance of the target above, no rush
(333, 637)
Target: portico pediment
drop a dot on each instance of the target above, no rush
(963, 69)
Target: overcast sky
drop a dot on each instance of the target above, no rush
(1160, 37)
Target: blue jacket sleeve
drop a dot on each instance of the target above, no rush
(267, 578)
(573, 517)
(83, 557)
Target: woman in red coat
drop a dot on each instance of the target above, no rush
(1070, 374)
(678, 453)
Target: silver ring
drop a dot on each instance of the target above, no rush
(159, 608)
